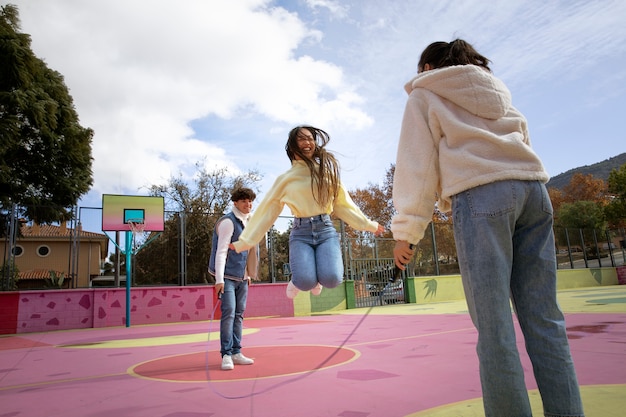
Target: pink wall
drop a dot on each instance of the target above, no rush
(39, 311)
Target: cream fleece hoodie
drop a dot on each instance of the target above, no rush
(459, 131)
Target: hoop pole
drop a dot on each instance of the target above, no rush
(129, 250)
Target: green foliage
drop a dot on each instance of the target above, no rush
(577, 222)
(45, 157)
(55, 280)
(9, 275)
(581, 215)
(198, 206)
(279, 255)
(615, 211)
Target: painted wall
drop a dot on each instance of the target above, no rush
(49, 310)
(436, 289)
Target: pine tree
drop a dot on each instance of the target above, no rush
(45, 154)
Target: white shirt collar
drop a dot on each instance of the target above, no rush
(243, 217)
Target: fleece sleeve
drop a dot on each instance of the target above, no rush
(416, 177)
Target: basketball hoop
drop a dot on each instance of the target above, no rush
(137, 228)
(136, 225)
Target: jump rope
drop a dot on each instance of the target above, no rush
(397, 274)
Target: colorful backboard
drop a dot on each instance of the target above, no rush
(118, 210)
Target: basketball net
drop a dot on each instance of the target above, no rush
(137, 228)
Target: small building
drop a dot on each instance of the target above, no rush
(46, 252)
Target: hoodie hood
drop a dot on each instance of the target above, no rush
(469, 86)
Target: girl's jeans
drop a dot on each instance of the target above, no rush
(231, 324)
(505, 245)
(315, 253)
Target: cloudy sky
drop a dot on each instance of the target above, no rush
(166, 85)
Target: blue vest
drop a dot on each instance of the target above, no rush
(235, 262)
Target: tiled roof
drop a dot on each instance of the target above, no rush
(38, 274)
(47, 230)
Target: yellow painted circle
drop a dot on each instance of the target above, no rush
(598, 400)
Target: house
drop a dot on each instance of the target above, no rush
(43, 252)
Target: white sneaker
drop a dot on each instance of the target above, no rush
(292, 291)
(227, 363)
(317, 290)
(239, 359)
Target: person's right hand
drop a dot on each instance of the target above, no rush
(219, 288)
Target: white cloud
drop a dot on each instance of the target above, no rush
(336, 9)
(141, 71)
(167, 85)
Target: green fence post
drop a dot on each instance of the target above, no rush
(350, 299)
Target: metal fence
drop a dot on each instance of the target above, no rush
(179, 255)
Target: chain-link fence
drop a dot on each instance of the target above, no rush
(80, 255)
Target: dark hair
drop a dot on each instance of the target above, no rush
(457, 52)
(242, 193)
(324, 174)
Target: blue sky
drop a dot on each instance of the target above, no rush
(166, 85)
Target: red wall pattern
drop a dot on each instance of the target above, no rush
(8, 312)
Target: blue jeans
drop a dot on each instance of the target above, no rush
(315, 253)
(505, 245)
(231, 325)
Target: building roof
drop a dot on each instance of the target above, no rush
(38, 274)
(61, 233)
(54, 231)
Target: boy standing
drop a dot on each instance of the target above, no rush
(233, 272)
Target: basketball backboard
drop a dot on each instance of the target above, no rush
(119, 210)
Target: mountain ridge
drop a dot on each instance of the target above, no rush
(600, 170)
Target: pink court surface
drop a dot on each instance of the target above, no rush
(394, 361)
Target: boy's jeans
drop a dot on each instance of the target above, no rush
(231, 324)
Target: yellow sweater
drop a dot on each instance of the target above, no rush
(293, 188)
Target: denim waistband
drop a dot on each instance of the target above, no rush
(318, 218)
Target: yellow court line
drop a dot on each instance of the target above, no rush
(416, 336)
(61, 381)
(153, 341)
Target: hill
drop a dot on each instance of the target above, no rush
(599, 170)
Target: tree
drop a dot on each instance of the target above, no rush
(279, 256)
(196, 209)
(372, 202)
(376, 203)
(557, 198)
(585, 188)
(580, 221)
(580, 204)
(45, 154)
(615, 211)
(581, 215)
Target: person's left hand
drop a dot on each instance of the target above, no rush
(381, 229)
(402, 253)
